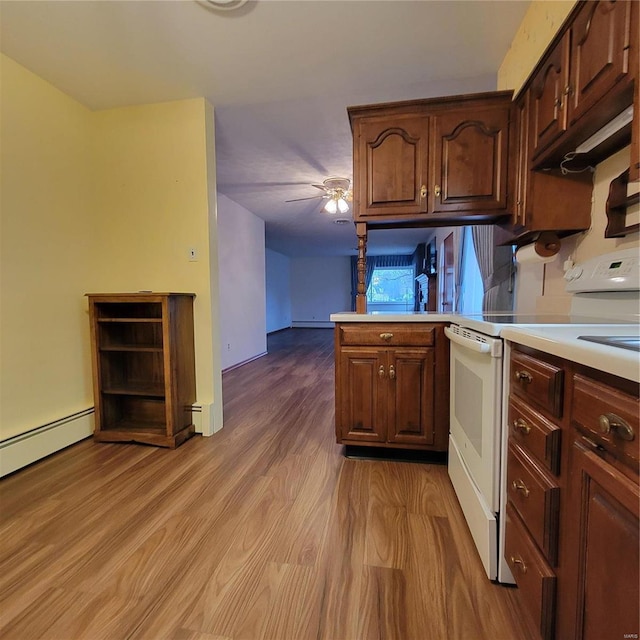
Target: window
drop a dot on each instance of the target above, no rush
(391, 289)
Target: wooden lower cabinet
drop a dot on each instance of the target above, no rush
(534, 577)
(572, 521)
(602, 535)
(386, 393)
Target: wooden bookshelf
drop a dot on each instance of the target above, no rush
(143, 367)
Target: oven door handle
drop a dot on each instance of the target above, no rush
(478, 347)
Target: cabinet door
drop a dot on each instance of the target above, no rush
(522, 163)
(361, 405)
(548, 103)
(604, 537)
(599, 53)
(470, 154)
(411, 378)
(390, 160)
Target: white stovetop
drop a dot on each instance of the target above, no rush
(563, 341)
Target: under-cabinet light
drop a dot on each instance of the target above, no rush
(621, 120)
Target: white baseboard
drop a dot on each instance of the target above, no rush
(247, 361)
(206, 417)
(312, 324)
(29, 447)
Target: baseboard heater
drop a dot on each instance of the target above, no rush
(311, 324)
(29, 447)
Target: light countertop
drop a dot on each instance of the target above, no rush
(563, 341)
(384, 316)
(557, 339)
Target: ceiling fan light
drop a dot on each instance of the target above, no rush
(331, 206)
(343, 207)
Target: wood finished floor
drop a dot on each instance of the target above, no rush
(264, 530)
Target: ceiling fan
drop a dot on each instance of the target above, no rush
(336, 192)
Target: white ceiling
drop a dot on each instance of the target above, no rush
(280, 74)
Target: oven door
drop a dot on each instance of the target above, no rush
(476, 408)
(474, 440)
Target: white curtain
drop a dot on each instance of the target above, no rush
(496, 268)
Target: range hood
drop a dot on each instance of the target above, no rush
(611, 128)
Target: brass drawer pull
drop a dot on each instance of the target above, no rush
(519, 562)
(524, 376)
(437, 191)
(521, 425)
(423, 191)
(519, 485)
(386, 336)
(381, 371)
(392, 372)
(611, 422)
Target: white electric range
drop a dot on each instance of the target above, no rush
(605, 305)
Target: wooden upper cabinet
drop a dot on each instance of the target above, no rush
(548, 103)
(439, 161)
(600, 39)
(391, 167)
(584, 79)
(545, 200)
(470, 151)
(523, 170)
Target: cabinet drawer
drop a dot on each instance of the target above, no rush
(379, 335)
(536, 498)
(535, 579)
(534, 433)
(538, 381)
(608, 414)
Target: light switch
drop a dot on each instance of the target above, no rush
(193, 254)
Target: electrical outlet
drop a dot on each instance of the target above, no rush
(193, 254)
(228, 346)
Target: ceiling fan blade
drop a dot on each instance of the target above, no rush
(311, 198)
(319, 186)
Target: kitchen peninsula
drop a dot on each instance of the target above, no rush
(392, 380)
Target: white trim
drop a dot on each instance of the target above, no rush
(27, 448)
(206, 418)
(311, 324)
(247, 361)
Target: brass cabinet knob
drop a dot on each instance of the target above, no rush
(519, 485)
(381, 371)
(386, 336)
(392, 372)
(423, 191)
(521, 425)
(519, 562)
(611, 422)
(524, 376)
(437, 191)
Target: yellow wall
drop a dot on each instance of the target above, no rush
(152, 206)
(93, 202)
(47, 252)
(539, 26)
